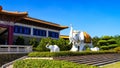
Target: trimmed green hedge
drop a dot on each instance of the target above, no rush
(117, 49)
(112, 46)
(104, 47)
(35, 63)
(67, 53)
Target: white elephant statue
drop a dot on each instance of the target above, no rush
(94, 49)
(79, 39)
(53, 48)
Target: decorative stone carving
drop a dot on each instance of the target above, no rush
(53, 48)
(79, 39)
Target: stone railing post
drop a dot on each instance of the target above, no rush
(17, 48)
(8, 48)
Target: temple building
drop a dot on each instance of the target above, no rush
(14, 24)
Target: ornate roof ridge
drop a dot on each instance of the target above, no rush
(13, 13)
(44, 22)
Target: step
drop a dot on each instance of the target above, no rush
(97, 60)
(98, 63)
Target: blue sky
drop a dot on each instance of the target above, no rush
(96, 17)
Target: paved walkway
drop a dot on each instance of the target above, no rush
(10, 66)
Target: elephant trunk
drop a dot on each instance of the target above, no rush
(47, 46)
(71, 34)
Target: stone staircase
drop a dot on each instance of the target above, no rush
(97, 60)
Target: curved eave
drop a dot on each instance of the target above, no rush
(13, 13)
(46, 23)
(63, 27)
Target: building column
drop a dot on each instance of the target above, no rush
(31, 31)
(10, 35)
(47, 33)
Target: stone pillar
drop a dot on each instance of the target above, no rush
(10, 35)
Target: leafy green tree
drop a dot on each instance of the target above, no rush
(117, 38)
(33, 42)
(2, 41)
(43, 43)
(106, 37)
(67, 45)
(95, 41)
(20, 41)
(61, 43)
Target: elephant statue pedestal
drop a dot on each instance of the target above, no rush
(74, 48)
(94, 49)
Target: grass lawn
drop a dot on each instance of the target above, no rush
(114, 65)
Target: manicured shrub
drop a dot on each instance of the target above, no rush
(112, 41)
(35, 63)
(106, 41)
(104, 47)
(67, 53)
(117, 49)
(106, 37)
(112, 46)
(102, 42)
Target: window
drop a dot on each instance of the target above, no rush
(39, 32)
(22, 30)
(53, 34)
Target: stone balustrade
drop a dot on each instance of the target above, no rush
(15, 48)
